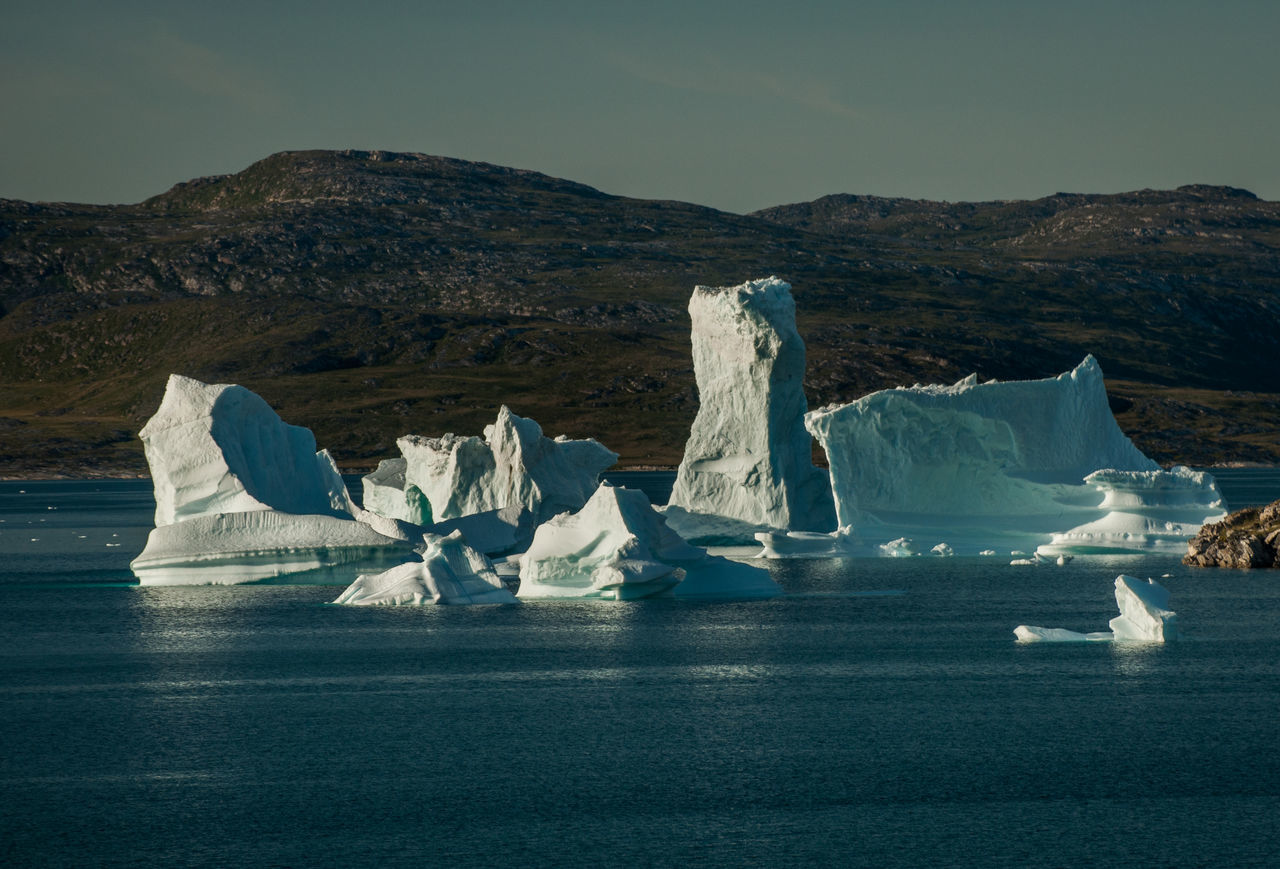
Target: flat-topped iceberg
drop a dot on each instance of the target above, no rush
(618, 547)
(1003, 464)
(451, 572)
(241, 496)
(1144, 617)
(747, 464)
(1143, 511)
(512, 465)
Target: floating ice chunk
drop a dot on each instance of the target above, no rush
(942, 549)
(1033, 634)
(987, 552)
(451, 572)
(1004, 460)
(1144, 617)
(1023, 562)
(514, 464)
(1144, 511)
(808, 544)
(387, 493)
(748, 457)
(899, 548)
(987, 448)
(241, 496)
(618, 547)
(219, 448)
(1144, 613)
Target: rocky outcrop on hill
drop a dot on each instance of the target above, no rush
(1247, 538)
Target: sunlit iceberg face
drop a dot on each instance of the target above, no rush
(1029, 465)
(1144, 617)
(241, 496)
(514, 464)
(747, 464)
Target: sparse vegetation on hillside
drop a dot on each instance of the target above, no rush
(370, 294)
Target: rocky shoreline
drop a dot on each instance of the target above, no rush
(1247, 538)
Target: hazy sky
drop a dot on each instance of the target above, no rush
(736, 105)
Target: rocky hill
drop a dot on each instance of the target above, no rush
(370, 294)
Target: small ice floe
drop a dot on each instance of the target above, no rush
(943, 549)
(1022, 562)
(1017, 553)
(900, 548)
(987, 552)
(1144, 617)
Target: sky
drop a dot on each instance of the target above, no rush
(735, 105)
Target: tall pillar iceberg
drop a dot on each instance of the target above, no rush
(747, 464)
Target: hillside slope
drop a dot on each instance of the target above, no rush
(371, 294)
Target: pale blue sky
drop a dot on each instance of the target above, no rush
(734, 105)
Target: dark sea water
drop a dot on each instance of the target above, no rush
(878, 714)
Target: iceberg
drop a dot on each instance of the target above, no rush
(241, 496)
(512, 465)
(1004, 464)
(747, 464)
(618, 547)
(451, 572)
(387, 493)
(1144, 617)
(1144, 511)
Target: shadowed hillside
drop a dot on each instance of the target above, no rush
(369, 294)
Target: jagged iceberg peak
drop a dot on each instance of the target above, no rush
(972, 448)
(513, 464)
(618, 547)
(219, 448)
(748, 457)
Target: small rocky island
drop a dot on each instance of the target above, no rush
(1246, 538)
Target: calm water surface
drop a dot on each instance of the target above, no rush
(877, 714)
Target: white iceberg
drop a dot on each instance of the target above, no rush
(747, 464)
(512, 465)
(1144, 511)
(841, 543)
(451, 572)
(999, 463)
(1144, 612)
(1144, 617)
(242, 496)
(387, 493)
(618, 547)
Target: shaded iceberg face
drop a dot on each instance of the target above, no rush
(512, 465)
(1144, 617)
(387, 493)
(451, 572)
(1143, 511)
(747, 465)
(617, 547)
(241, 496)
